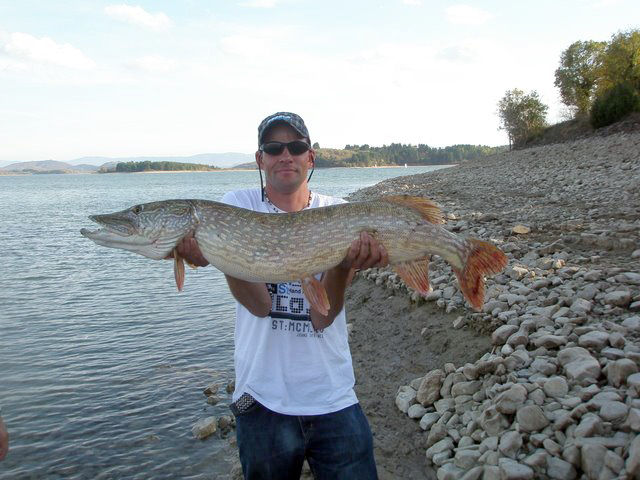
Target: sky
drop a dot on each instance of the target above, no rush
(177, 78)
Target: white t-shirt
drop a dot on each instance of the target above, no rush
(280, 359)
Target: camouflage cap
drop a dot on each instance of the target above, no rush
(288, 118)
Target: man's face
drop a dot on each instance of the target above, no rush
(285, 172)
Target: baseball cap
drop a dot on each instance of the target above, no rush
(288, 118)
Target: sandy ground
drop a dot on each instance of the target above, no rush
(394, 341)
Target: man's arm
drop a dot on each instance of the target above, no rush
(253, 296)
(365, 252)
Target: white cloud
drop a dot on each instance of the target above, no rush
(138, 16)
(466, 15)
(259, 3)
(412, 2)
(44, 50)
(154, 63)
(245, 45)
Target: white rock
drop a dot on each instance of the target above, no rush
(491, 472)
(633, 381)
(594, 339)
(592, 459)
(633, 420)
(619, 298)
(550, 341)
(613, 461)
(556, 387)
(579, 365)
(633, 460)
(405, 397)
(474, 473)
(500, 334)
(581, 306)
(428, 420)
(531, 418)
(465, 388)
(512, 470)
(449, 472)
(558, 469)
(416, 411)
(466, 458)
(204, 427)
(510, 400)
(439, 447)
(510, 443)
(632, 323)
(590, 425)
(429, 390)
(543, 366)
(618, 371)
(614, 412)
(492, 421)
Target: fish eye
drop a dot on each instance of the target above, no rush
(137, 209)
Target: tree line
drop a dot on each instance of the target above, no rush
(147, 166)
(399, 154)
(598, 81)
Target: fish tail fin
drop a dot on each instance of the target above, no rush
(178, 269)
(484, 259)
(415, 274)
(426, 207)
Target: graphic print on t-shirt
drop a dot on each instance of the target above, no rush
(290, 310)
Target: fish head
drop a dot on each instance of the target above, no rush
(149, 229)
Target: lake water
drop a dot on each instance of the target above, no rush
(102, 362)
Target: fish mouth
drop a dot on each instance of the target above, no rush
(108, 227)
(125, 236)
(114, 233)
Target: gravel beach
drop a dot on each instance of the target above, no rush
(544, 382)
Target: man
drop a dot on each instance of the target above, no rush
(4, 439)
(294, 396)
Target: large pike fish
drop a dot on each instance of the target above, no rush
(274, 248)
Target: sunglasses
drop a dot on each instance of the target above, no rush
(276, 148)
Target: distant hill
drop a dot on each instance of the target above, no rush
(92, 164)
(220, 160)
(39, 166)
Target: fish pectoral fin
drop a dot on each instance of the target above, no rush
(178, 269)
(316, 294)
(415, 274)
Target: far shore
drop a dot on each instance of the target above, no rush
(19, 174)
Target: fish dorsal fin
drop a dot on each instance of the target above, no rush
(415, 274)
(427, 208)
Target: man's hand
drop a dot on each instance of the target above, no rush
(189, 250)
(365, 252)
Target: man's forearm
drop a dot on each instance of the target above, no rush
(253, 296)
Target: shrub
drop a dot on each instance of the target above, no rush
(614, 104)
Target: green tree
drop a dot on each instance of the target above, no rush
(522, 116)
(621, 61)
(578, 74)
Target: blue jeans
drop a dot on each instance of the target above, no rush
(337, 445)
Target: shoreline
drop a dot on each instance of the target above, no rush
(573, 279)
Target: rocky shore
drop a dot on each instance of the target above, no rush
(545, 381)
